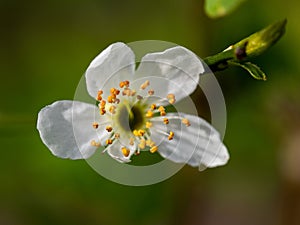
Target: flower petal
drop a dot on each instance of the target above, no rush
(66, 129)
(176, 71)
(197, 145)
(114, 64)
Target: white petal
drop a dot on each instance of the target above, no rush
(114, 64)
(197, 145)
(176, 71)
(66, 129)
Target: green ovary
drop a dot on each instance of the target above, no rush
(130, 117)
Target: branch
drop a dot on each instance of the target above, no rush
(252, 46)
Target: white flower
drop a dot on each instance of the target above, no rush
(130, 115)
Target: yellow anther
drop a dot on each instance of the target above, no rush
(122, 84)
(99, 95)
(102, 111)
(102, 104)
(95, 144)
(117, 135)
(148, 124)
(142, 144)
(109, 141)
(125, 151)
(110, 98)
(171, 135)
(141, 132)
(161, 108)
(126, 91)
(114, 91)
(172, 100)
(132, 92)
(153, 106)
(108, 128)
(131, 141)
(95, 125)
(150, 143)
(153, 149)
(145, 84)
(186, 122)
(151, 92)
(112, 109)
(163, 113)
(149, 114)
(126, 82)
(135, 133)
(166, 121)
(170, 96)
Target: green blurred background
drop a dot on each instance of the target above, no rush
(45, 48)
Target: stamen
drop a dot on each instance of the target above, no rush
(131, 141)
(186, 122)
(171, 98)
(135, 133)
(141, 132)
(166, 121)
(125, 151)
(161, 108)
(102, 104)
(108, 128)
(102, 111)
(142, 144)
(150, 143)
(145, 85)
(117, 135)
(153, 149)
(171, 135)
(99, 97)
(124, 84)
(111, 98)
(95, 144)
(153, 106)
(133, 92)
(128, 92)
(114, 91)
(109, 141)
(112, 109)
(148, 124)
(95, 125)
(151, 92)
(149, 114)
(163, 113)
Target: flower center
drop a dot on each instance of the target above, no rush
(133, 118)
(130, 117)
